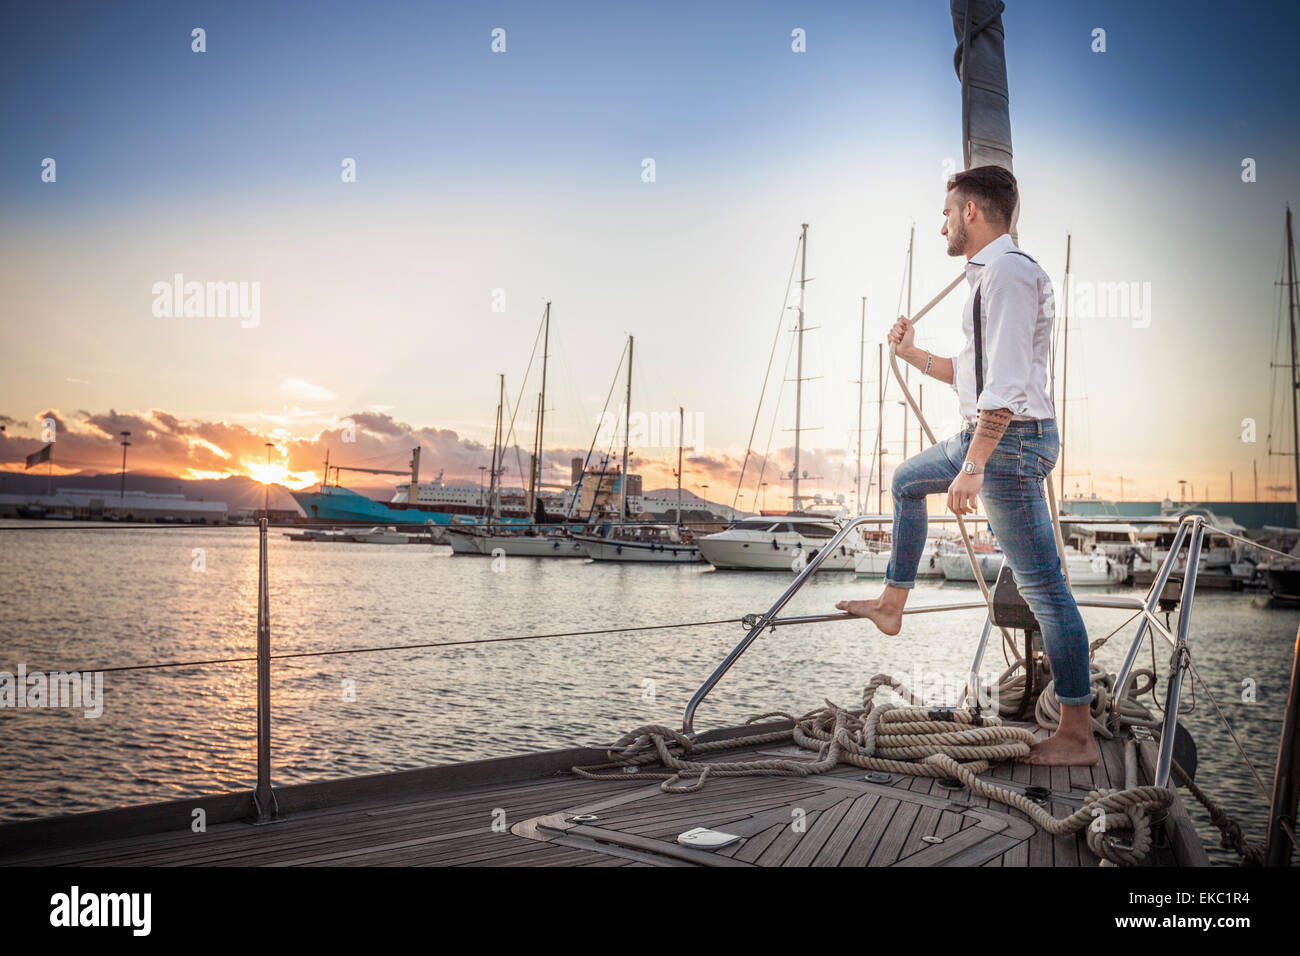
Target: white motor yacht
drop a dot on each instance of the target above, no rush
(957, 567)
(874, 561)
(1117, 539)
(781, 543)
(1097, 569)
(379, 535)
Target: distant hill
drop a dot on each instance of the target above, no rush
(237, 492)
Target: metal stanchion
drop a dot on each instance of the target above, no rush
(264, 796)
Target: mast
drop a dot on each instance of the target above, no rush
(880, 429)
(627, 429)
(1286, 774)
(535, 470)
(494, 488)
(1295, 381)
(327, 471)
(532, 467)
(798, 380)
(985, 107)
(911, 241)
(681, 439)
(1065, 365)
(862, 351)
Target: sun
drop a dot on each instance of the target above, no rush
(277, 473)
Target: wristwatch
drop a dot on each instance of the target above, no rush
(969, 467)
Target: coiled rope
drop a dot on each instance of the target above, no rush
(1047, 711)
(896, 738)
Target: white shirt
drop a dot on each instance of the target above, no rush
(1017, 309)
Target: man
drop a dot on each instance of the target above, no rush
(1007, 447)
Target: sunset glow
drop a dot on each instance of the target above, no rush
(276, 473)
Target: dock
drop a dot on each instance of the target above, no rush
(520, 811)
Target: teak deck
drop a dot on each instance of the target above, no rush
(445, 816)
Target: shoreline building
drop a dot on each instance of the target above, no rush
(97, 504)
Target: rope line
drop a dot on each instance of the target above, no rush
(1253, 544)
(1231, 733)
(405, 647)
(1230, 834)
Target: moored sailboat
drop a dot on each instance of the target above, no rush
(1283, 574)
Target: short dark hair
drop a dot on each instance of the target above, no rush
(991, 188)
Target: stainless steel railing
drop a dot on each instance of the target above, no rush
(1191, 528)
(264, 801)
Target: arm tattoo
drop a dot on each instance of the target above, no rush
(992, 423)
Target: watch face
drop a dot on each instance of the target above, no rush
(968, 467)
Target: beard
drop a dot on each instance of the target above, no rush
(957, 239)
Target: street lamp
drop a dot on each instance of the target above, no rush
(266, 488)
(121, 494)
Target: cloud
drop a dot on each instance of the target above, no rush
(165, 444)
(306, 391)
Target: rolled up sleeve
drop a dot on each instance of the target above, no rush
(1009, 301)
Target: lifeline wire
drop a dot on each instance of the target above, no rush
(407, 647)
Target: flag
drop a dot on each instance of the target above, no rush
(36, 457)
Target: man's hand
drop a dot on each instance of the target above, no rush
(903, 334)
(962, 492)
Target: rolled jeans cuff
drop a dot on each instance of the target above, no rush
(1075, 701)
(900, 584)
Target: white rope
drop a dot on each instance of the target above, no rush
(907, 739)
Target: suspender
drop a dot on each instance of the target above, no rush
(979, 331)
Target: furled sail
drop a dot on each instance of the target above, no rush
(981, 65)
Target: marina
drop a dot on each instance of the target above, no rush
(326, 810)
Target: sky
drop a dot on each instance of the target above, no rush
(488, 183)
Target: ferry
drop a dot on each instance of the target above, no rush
(434, 502)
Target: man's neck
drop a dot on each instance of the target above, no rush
(976, 244)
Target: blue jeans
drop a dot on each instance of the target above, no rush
(1016, 505)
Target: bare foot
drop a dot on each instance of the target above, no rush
(1059, 751)
(888, 619)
